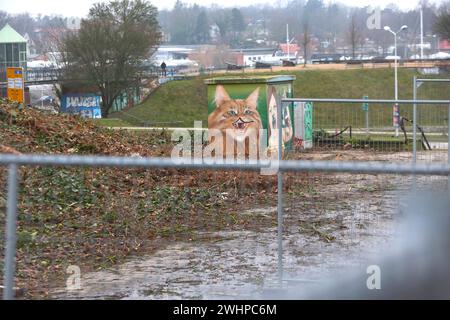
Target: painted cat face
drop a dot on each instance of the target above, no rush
(236, 117)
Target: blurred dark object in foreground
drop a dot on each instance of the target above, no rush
(417, 266)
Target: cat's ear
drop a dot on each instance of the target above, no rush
(221, 95)
(252, 100)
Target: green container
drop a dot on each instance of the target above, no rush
(237, 104)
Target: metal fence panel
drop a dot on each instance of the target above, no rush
(293, 190)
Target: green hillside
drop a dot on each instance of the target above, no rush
(180, 103)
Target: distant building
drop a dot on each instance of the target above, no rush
(13, 52)
(31, 46)
(165, 37)
(214, 33)
(13, 48)
(248, 57)
(444, 45)
(73, 23)
(174, 56)
(293, 49)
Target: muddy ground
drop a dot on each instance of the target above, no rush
(344, 220)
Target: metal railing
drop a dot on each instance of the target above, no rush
(416, 83)
(52, 75)
(401, 168)
(14, 161)
(413, 102)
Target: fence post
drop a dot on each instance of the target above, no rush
(415, 132)
(11, 222)
(448, 144)
(415, 121)
(280, 195)
(366, 111)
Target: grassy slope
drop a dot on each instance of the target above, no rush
(180, 103)
(177, 103)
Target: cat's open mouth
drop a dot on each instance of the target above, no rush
(241, 124)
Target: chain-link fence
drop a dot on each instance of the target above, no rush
(90, 228)
(358, 209)
(121, 227)
(378, 129)
(82, 220)
(432, 120)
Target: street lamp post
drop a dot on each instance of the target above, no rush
(387, 28)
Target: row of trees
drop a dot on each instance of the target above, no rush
(442, 26)
(191, 24)
(38, 28)
(330, 24)
(24, 23)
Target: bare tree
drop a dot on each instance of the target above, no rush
(305, 41)
(442, 25)
(222, 20)
(354, 35)
(3, 18)
(108, 50)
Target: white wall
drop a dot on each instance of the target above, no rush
(250, 59)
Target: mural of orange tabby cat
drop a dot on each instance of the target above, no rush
(236, 119)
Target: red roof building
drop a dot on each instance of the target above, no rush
(294, 49)
(444, 45)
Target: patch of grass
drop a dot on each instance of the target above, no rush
(113, 123)
(175, 104)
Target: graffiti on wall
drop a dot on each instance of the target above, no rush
(240, 111)
(85, 105)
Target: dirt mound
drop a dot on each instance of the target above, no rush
(27, 130)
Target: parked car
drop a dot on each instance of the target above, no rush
(440, 55)
(392, 58)
(325, 57)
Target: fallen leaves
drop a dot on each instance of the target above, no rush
(96, 217)
(5, 149)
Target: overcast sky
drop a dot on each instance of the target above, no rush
(81, 7)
